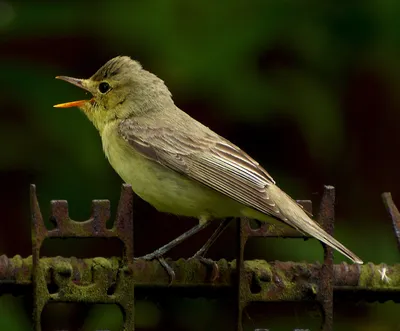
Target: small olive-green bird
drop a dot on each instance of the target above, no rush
(177, 164)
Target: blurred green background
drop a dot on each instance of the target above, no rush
(310, 90)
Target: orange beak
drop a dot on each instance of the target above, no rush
(77, 82)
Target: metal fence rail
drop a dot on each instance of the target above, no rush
(112, 280)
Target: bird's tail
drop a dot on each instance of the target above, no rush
(296, 217)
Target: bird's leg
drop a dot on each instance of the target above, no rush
(158, 254)
(203, 250)
(164, 249)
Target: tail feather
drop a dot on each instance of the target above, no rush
(295, 216)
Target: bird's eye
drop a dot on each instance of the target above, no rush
(104, 87)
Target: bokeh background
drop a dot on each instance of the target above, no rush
(310, 90)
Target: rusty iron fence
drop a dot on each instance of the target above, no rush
(113, 280)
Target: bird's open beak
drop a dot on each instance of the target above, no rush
(78, 82)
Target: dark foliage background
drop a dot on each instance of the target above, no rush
(309, 89)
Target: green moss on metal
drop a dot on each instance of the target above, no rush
(102, 262)
(275, 280)
(379, 276)
(261, 268)
(62, 266)
(292, 290)
(40, 291)
(314, 289)
(79, 229)
(97, 276)
(22, 269)
(275, 284)
(17, 261)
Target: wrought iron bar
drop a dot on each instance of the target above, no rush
(278, 281)
(112, 280)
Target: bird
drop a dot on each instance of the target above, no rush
(179, 165)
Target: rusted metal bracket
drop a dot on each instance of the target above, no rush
(67, 287)
(324, 294)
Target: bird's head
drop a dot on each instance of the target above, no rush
(120, 89)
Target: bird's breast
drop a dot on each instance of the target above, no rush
(165, 189)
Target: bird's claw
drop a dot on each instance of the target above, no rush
(168, 269)
(164, 264)
(209, 263)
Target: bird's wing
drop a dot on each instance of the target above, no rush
(208, 159)
(220, 165)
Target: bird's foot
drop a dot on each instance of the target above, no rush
(209, 263)
(165, 265)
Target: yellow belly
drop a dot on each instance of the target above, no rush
(165, 189)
